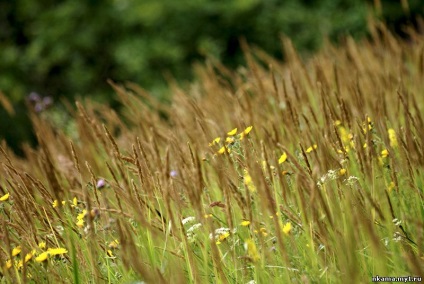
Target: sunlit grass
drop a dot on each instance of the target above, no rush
(306, 171)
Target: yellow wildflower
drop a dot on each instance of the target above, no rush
(223, 236)
(251, 249)
(80, 223)
(310, 149)
(55, 203)
(230, 140)
(8, 263)
(109, 253)
(82, 215)
(74, 202)
(29, 255)
(17, 250)
(114, 244)
(391, 186)
(215, 141)
(342, 171)
(287, 228)
(245, 223)
(42, 245)
(263, 232)
(283, 158)
(232, 132)
(222, 150)
(365, 128)
(5, 197)
(248, 181)
(344, 134)
(384, 153)
(56, 251)
(392, 137)
(264, 164)
(245, 132)
(19, 264)
(42, 257)
(337, 123)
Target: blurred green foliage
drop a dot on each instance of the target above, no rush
(67, 48)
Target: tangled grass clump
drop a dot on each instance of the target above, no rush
(303, 171)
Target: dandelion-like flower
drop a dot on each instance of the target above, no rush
(287, 228)
(16, 250)
(245, 132)
(232, 132)
(282, 158)
(230, 140)
(391, 186)
(245, 223)
(29, 256)
(221, 234)
(80, 218)
(384, 153)
(252, 251)
(42, 245)
(392, 137)
(5, 197)
(367, 126)
(248, 181)
(113, 244)
(19, 264)
(56, 251)
(215, 141)
(42, 257)
(310, 149)
(222, 150)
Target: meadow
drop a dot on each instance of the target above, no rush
(302, 171)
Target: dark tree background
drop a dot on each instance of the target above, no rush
(63, 49)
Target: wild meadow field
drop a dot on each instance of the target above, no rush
(303, 171)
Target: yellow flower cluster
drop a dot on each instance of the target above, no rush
(248, 182)
(41, 257)
(80, 218)
(74, 203)
(230, 139)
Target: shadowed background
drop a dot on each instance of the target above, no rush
(55, 50)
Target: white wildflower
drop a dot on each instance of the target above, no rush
(396, 221)
(188, 220)
(397, 237)
(351, 180)
(194, 228)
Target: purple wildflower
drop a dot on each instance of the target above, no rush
(100, 183)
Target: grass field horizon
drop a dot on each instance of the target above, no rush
(303, 171)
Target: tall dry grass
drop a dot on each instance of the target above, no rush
(326, 187)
